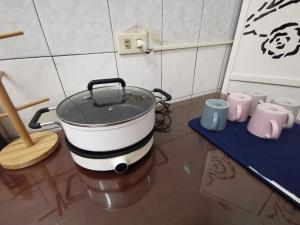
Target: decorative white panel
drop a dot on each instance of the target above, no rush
(269, 44)
(265, 52)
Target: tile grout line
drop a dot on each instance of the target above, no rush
(54, 63)
(194, 75)
(26, 57)
(226, 49)
(58, 55)
(48, 203)
(201, 18)
(198, 94)
(88, 53)
(196, 56)
(264, 204)
(222, 66)
(237, 10)
(227, 202)
(161, 42)
(113, 39)
(47, 43)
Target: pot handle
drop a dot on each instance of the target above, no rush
(105, 81)
(167, 95)
(33, 124)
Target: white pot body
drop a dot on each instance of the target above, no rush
(110, 138)
(111, 163)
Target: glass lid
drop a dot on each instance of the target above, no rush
(105, 106)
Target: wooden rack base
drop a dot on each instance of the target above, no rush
(17, 155)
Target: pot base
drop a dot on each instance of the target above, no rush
(110, 160)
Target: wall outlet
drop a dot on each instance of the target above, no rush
(132, 42)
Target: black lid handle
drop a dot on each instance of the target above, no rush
(105, 81)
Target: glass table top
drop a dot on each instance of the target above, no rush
(183, 180)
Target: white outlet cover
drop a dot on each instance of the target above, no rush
(133, 37)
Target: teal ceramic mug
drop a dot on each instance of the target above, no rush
(214, 114)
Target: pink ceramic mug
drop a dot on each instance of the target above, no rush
(239, 106)
(268, 120)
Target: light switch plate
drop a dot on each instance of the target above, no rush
(127, 42)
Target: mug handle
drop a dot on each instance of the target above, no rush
(274, 130)
(290, 121)
(238, 112)
(215, 121)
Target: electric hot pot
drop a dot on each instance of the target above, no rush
(107, 127)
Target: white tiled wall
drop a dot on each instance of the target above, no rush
(73, 27)
(216, 24)
(21, 15)
(67, 43)
(181, 24)
(76, 71)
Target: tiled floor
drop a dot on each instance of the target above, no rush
(184, 180)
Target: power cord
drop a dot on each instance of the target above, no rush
(163, 120)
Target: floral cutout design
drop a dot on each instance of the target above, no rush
(283, 40)
(266, 8)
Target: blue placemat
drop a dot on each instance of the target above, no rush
(277, 162)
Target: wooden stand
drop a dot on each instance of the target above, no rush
(29, 149)
(11, 34)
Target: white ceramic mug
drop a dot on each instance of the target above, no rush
(292, 105)
(257, 97)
